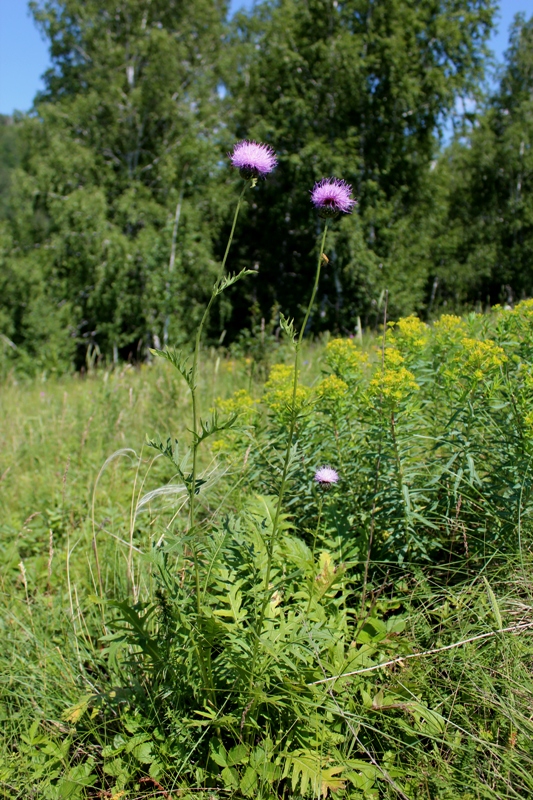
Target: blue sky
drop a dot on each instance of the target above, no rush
(24, 55)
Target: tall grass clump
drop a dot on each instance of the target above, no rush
(317, 585)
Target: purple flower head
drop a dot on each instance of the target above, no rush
(326, 477)
(332, 196)
(253, 160)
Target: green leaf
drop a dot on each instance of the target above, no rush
(249, 781)
(229, 280)
(219, 756)
(143, 753)
(213, 425)
(72, 785)
(230, 776)
(287, 326)
(493, 604)
(307, 769)
(136, 740)
(178, 361)
(115, 768)
(361, 774)
(170, 450)
(237, 755)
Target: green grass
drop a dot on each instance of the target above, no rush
(92, 706)
(55, 438)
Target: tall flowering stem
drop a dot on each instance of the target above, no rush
(204, 658)
(194, 373)
(253, 160)
(286, 461)
(331, 197)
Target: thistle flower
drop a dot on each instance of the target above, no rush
(253, 160)
(326, 477)
(331, 196)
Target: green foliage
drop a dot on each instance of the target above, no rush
(115, 207)
(206, 617)
(9, 156)
(250, 731)
(484, 250)
(430, 431)
(55, 435)
(358, 90)
(104, 692)
(111, 230)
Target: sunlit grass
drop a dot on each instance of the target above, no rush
(87, 506)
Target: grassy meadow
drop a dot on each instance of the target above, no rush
(278, 564)
(370, 639)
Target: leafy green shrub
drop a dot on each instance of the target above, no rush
(264, 624)
(137, 715)
(430, 431)
(251, 660)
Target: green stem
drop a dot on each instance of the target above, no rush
(399, 466)
(292, 426)
(314, 549)
(194, 374)
(378, 462)
(195, 443)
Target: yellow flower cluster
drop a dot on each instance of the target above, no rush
(449, 329)
(241, 402)
(394, 382)
(332, 389)
(344, 358)
(279, 388)
(280, 374)
(481, 357)
(525, 307)
(393, 357)
(411, 332)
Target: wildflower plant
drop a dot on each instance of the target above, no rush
(370, 656)
(253, 160)
(332, 197)
(255, 660)
(392, 382)
(332, 392)
(480, 358)
(326, 476)
(346, 360)
(411, 336)
(232, 589)
(279, 396)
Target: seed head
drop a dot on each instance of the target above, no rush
(326, 477)
(332, 196)
(253, 160)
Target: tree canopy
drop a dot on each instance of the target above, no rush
(121, 151)
(116, 195)
(360, 90)
(484, 252)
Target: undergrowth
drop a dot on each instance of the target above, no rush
(202, 612)
(102, 691)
